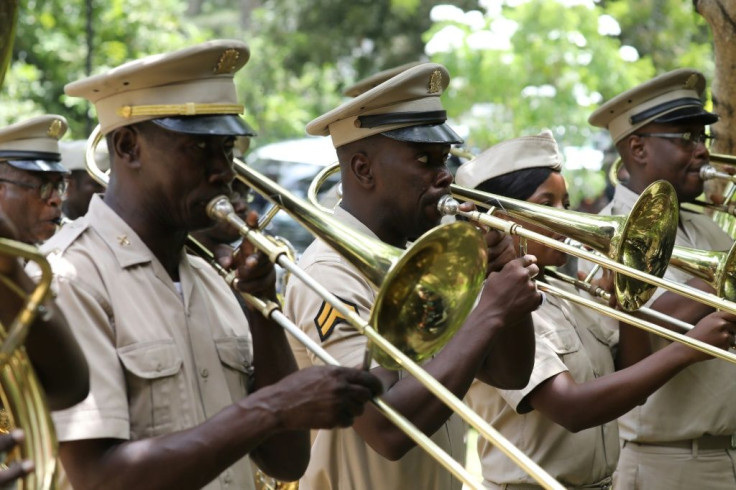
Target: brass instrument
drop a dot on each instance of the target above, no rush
(374, 264)
(643, 241)
(707, 172)
(448, 205)
(23, 400)
(655, 206)
(21, 393)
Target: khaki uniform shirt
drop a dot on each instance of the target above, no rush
(700, 399)
(161, 360)
(340, 458)
(568, 338)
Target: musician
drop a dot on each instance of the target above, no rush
(564, 418)
(32, 177)
(682, 436)
(392, 144)
(183, 385)
(52, 350)
(80, 184)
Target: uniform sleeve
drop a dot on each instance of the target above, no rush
(320, 320)
(547, 363)
(104, 413)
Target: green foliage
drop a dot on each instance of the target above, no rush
(51, 50)
(561, 61)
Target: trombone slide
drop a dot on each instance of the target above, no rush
(445, 395)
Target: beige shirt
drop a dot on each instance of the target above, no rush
(340, 459)
(568, 338)
(700, 399)
(161, 360)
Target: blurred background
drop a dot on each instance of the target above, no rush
(517, 65)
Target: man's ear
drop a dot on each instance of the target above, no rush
(126, 146)
(636, 149)
(362, 170)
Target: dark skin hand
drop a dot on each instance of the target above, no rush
(507, 294)
(55, 355)
(16, 469)
(318, 397)
(635, 344)
(284, 402)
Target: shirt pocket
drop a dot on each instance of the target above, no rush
(563, 341)
(236, 356)
(154, 384)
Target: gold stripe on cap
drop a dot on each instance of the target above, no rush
(189, 109)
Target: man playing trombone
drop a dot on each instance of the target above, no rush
(392, 144)
(683, 436)
(184, 384)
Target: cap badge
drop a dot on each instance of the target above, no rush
(226, 63)
(691, 81)
(55, 129)
(435, 82)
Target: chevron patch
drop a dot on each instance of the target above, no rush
(328, 317)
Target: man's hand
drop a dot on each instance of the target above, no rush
(320, 397)
(499, 246)
(717, 329)
(512, 292)
(256, 274)
(17, 469)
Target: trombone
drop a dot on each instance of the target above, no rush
(403, 276)
(653, 216)
(20, 391)
(707, 172)
(448, 205)
(616, 235)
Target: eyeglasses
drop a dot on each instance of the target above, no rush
(44, 189)
(688, 140)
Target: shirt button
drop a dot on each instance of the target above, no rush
(159, 367)
(204, 372)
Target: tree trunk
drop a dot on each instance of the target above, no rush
(721, 15)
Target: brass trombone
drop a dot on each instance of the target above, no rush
(448, 205)
(22, 396)
(707, 172)
(617, 236)
(381, 264)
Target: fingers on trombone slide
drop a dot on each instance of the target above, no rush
(500, 250)
(717, 329)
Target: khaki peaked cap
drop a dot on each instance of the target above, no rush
(509, 156)
(364, 85)
(194, 85)
(33, 144)
(673, 97)
(406, 107)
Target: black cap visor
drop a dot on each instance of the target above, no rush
(38, 166)
(214, 125)
(428, 133)
(684, 115)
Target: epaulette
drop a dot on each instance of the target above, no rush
(63, 238)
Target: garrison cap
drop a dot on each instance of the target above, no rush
(376, 79)
(406, 107)
(674, 97)
(73, 155)
(33, 144)
(535, 151)
(188, 91)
